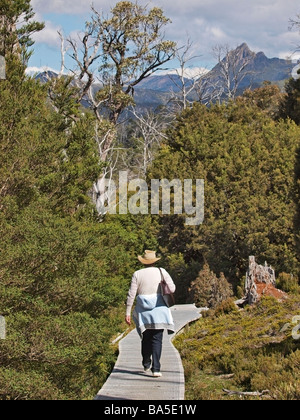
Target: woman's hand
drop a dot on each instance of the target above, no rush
(128, 319)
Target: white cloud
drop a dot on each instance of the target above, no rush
(263, 24)
(189, 73)
(49, 35)
(73, 7)
(217, 33)
(31, 71)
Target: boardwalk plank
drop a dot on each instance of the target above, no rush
(128, 381)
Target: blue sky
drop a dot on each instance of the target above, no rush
(263, 24)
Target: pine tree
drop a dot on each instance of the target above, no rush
(208, 290)
(48, 282)
(248, 163)
(291, 105)
(16, 28)
(57, 284)
(63, 275)
(201, 288)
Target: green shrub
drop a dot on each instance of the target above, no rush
(208, 290)
(288, 283)
(226, 307)
(244, 350)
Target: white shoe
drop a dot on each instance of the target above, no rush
(157, 374)
(147, 369)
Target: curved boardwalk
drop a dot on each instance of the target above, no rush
(128, 380)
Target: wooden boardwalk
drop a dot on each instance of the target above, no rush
(128, 380)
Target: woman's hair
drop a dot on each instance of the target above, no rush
(150, 265)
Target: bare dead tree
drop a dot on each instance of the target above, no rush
(186, 81)
(126, 49)
(2, 68)
(192, 84)
(149, 134)
(208, 90)
(232, 66)
(112, 56)
(295, 24)
(63, 52)
(85, 52)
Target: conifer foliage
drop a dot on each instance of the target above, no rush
(63, 275)
(16, 27)
(208, 290)
(46, 168)
(247, 160)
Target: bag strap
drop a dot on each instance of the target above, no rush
(162, 276)
(161, 282)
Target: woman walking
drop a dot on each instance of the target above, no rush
(151, 315)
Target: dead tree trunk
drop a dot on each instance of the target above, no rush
(260, 281)
(258, 274)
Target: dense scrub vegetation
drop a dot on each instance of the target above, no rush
(63, 275)
(246, 351)
(247, 160)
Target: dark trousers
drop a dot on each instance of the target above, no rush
(152, 349)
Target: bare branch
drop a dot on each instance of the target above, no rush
(124, 49)
(232, 67)
(63, 51)
(149, 134)
(185, 83)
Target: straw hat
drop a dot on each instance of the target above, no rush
(149, 258)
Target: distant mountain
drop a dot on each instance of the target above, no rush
(168, 81)
(157, 89)
(164, 83)
(260, 68)
(45, 76)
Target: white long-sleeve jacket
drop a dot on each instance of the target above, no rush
(147, 282)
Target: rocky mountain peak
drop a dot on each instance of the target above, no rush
(244, 50)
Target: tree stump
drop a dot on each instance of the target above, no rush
(260, 281)
(258, 275)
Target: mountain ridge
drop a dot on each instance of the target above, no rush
(260, 68)
(157, 90)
